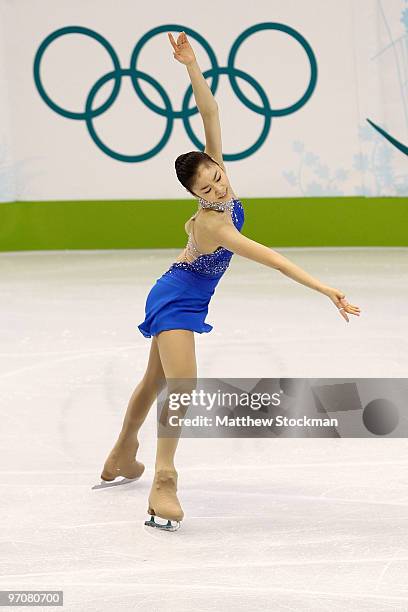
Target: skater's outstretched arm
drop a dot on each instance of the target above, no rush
(206, 103)
(228, 236)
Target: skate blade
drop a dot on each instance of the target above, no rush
(165, 526)
(106, 484)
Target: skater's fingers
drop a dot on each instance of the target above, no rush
(343, 314)
(173, 42)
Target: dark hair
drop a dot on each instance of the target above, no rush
(187, 165)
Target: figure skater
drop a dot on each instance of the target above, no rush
(177, 304)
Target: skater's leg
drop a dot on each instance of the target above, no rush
(143, 397)
(177, 354)
(178, 359)
(122, 456)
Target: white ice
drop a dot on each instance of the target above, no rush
(270, 524)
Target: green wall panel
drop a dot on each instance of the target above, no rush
(133, 224)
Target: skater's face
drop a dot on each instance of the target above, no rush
(212, 183)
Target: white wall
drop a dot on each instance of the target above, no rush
(325, 148)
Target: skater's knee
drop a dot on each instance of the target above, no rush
(179, 392)
(150, 386)
(153, 385)
(181, 385)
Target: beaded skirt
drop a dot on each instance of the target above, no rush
(180, 297)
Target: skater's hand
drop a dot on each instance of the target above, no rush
(183, 51)
(339, 300)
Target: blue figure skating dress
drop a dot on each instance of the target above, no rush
(180, 297)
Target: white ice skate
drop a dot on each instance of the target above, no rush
(126, 473)
(163, 503)
(105, 484)
(164, 524)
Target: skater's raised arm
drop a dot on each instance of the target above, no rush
(204, 98)
(183, 52)
(229, 237)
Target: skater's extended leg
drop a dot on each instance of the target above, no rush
(143, 397)
(121, 460)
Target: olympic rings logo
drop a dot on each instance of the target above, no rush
(167, 110)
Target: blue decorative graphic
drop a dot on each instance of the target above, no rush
(403, 41)
(326, 187)
(167, 110)
(376, 165)
(373, 162)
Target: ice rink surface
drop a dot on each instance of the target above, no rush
(301, 524)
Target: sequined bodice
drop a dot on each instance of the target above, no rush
(214, 264)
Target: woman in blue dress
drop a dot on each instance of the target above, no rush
(177, 304)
